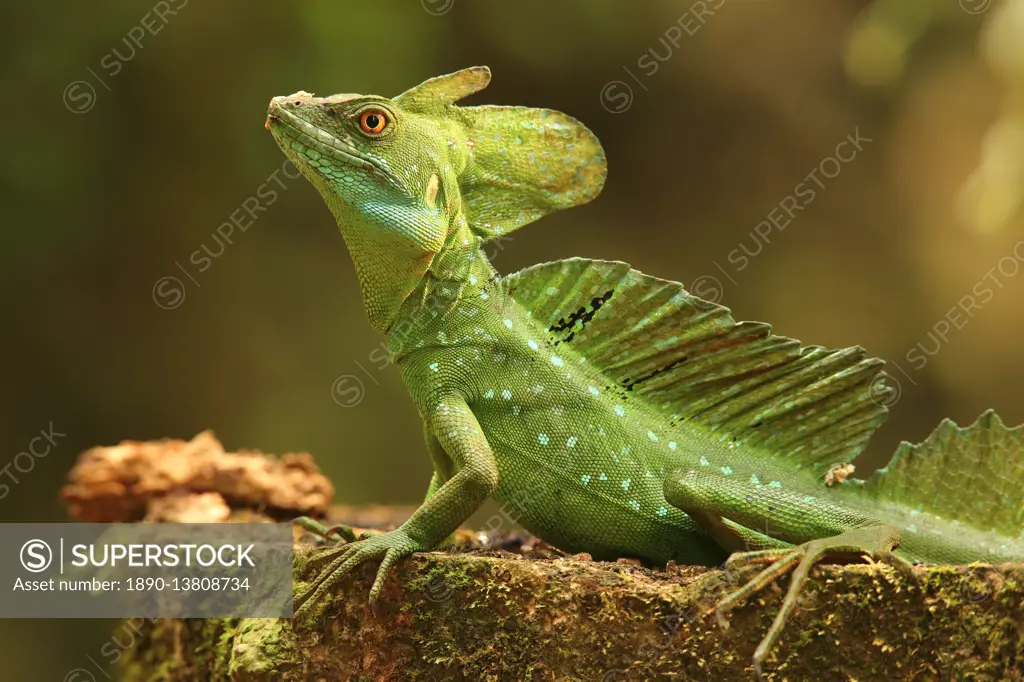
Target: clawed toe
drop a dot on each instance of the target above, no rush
(906, 568)
(876, 542)
(311, 525)
(341, 560)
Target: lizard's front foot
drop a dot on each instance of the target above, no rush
(876, 542)
(392, 546)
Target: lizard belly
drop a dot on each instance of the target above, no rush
(579, 469)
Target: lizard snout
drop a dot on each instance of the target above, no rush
(286, 103)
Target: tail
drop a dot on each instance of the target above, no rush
(957, 497)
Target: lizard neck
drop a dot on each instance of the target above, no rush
(393, 247)
(459, 272)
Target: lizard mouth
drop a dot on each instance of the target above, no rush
(285, 123)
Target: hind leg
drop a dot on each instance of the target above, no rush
(728, 509)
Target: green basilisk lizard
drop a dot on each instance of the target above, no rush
(624, 416)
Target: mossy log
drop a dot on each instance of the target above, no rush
(478, 611)
(486, 615)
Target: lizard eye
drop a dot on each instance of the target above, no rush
(373, 121)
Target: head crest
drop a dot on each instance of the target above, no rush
(523, 163)
(438, 92)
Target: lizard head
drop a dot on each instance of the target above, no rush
(402, 175)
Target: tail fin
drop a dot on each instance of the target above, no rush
(960, 493)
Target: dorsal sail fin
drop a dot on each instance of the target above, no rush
(689, 360)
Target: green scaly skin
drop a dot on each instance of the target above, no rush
(617, 414)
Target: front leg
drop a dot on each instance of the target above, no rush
(443, 464)
(448, 507)
(442, 472)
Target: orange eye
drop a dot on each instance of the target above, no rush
(373, 121)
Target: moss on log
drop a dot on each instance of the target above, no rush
(477, 612)
(485, 615)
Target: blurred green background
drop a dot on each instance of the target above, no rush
(134, 130)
